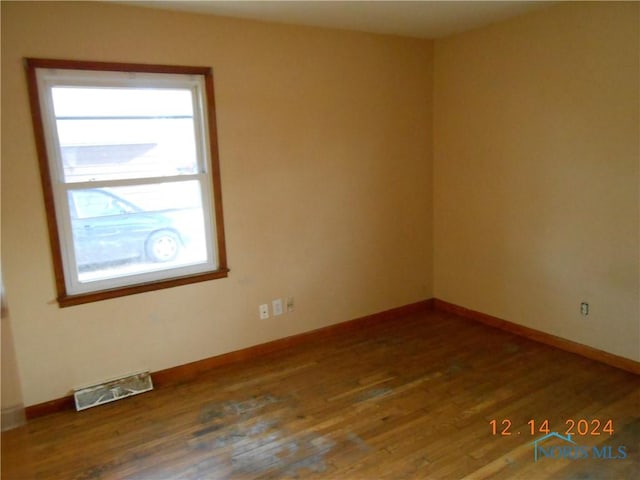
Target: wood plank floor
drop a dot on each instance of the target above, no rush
(409, 398)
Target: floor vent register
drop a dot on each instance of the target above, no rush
(112, 390)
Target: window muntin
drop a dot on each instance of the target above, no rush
(132, 169)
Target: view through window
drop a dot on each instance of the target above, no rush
(132, 173)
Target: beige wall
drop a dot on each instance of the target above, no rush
(325, 146)
(536, 168)
(11, 405)
(325, 158)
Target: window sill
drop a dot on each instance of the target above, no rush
(72, 300)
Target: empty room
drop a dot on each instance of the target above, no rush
(324, 240)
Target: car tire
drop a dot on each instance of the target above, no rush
(163, 246)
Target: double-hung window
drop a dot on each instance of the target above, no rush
(129, 167)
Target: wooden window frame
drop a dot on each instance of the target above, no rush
(64, 298)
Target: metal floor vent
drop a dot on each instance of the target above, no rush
(112, 390)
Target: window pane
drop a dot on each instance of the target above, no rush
(119, 133)
(129, 230)
(132, 166)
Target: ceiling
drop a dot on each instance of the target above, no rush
(422, 19)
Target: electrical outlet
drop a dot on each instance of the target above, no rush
(276, 307)
(264, 311)
(291, 306)
(584, 308)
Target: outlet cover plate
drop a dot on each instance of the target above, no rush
(276, 307)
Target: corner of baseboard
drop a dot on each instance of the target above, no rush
(13, 417)
(570, 346)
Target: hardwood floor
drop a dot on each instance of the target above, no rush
(408, 398)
